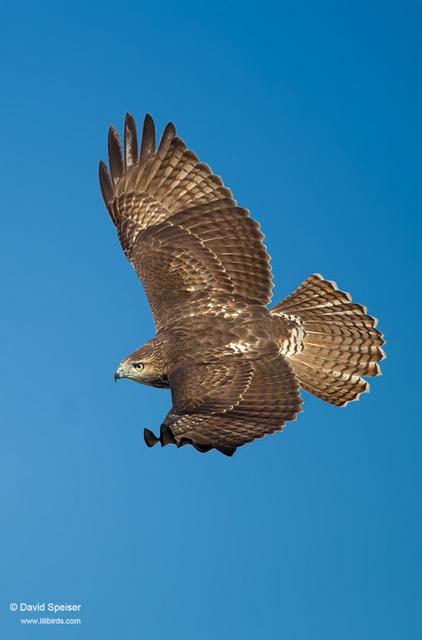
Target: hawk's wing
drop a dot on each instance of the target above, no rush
(179, 224)
(214, 387)
(269, 399)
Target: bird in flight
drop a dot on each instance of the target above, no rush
(233, 365)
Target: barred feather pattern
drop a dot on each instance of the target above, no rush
(172, 176)
(234, 367)
(223, 385)
(340, 343)
(260, 411)
(169, 184)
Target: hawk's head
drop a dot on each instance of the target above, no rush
(143, 365)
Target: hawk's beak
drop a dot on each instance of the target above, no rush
(118, 374)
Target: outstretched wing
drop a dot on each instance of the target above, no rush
(215, 387)
(165, 201)
(268, 400)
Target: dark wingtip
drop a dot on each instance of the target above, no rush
(114, 154)
(148, 139)
(150, 438)
(202, 448)
(106, 186)
(183, 442)
(168, 135)
(227, 451)
(105, 182)
(131, 141)
(170, 130)
(166, 435)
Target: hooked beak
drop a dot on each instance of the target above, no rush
(119, 374)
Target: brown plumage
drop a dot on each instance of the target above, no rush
(234, 366)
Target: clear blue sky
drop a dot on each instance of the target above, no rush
(311, 112)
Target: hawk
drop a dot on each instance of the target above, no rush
(233, 365)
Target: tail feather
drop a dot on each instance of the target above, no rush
(340, 341)
(327, 386)
(332, 326)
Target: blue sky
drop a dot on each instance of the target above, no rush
(311, 112)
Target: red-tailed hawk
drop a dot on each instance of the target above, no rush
(234, 366)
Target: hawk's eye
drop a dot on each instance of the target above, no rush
(139, 366)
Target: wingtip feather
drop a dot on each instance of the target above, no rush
(150, 438)
(168, 135)
(106, 187)
(148, 139)
(130, 141)
(115, 154)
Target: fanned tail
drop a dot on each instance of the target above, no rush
(340, 342)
